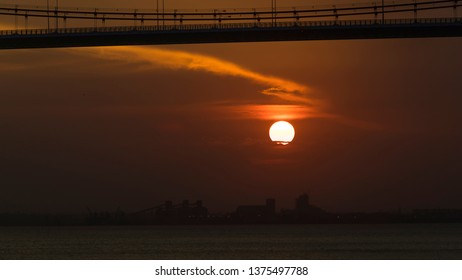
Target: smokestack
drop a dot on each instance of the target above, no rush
(271, 205)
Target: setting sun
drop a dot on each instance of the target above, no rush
(282, 132)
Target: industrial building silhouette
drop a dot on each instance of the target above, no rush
(252, 213)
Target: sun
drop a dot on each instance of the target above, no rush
(282, 132)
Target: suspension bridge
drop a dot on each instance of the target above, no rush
(54, 27)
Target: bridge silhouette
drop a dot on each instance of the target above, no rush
(77, 27)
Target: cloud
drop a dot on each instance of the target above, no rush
(302, 106)
(268, 112)
(172, 59)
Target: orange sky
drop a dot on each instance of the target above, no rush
(377, 124)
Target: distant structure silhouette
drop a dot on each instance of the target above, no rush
(184, 212)
(437, 215)
(257, 213)
(104, 217)
(302, 203)
(305, 212)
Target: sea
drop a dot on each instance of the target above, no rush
(304, 242)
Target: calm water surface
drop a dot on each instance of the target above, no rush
(403, 241)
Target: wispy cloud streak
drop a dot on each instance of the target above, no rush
(173, 59)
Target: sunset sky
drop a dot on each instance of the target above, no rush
(377, 123)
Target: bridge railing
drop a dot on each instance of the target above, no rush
(229, 26)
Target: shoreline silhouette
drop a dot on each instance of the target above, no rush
(187, 213)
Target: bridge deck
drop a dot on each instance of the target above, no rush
(233, 32)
